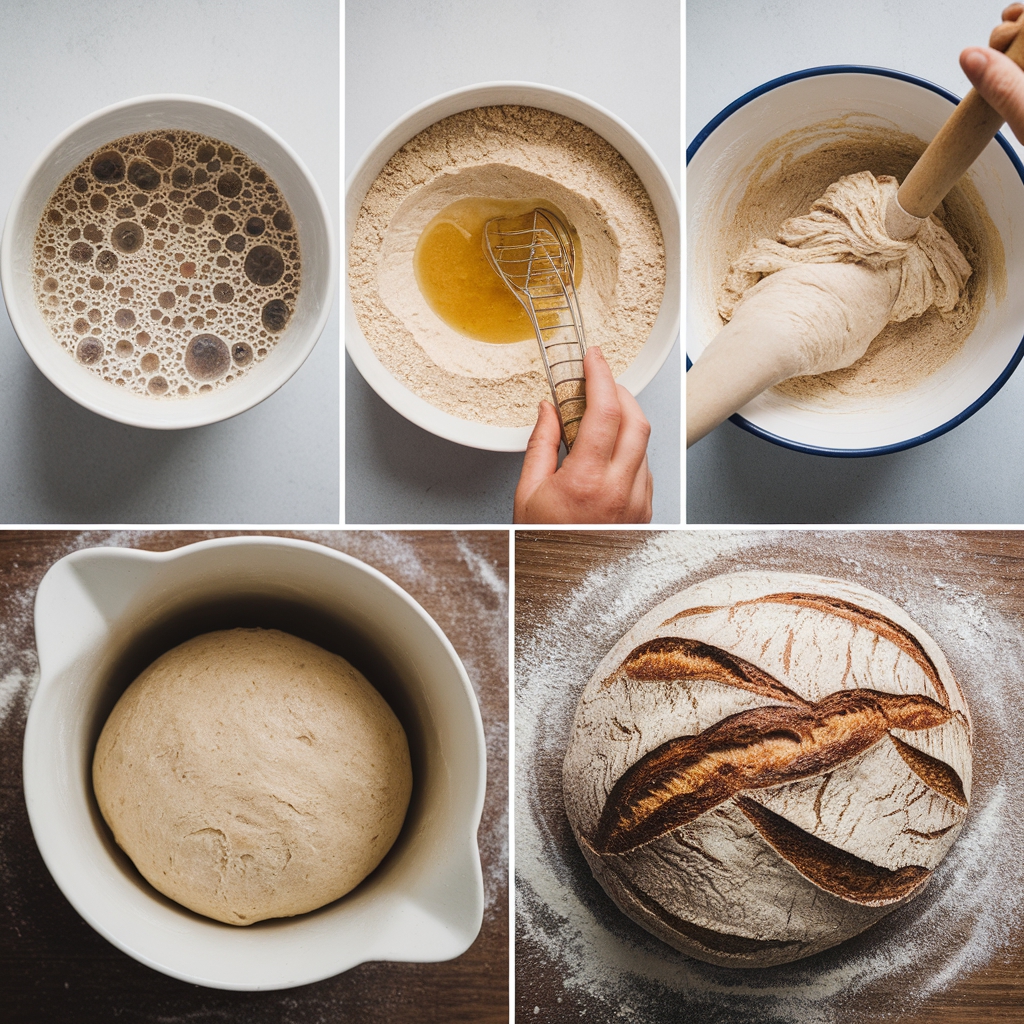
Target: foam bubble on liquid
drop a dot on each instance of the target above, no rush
(154, 245)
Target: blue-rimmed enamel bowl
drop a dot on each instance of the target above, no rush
(716, 160)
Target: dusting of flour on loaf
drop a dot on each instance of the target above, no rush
(967, 915)
(503, 152)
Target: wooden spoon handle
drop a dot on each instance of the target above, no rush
(959, 142)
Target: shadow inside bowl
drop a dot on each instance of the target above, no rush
(299, 618)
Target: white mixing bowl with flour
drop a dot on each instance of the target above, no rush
(647, 167)
(717, 164)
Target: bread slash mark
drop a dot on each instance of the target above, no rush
(828, 867)
(859, 616)
(673, 659)
(754, 749)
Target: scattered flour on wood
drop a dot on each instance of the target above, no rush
(967, 915)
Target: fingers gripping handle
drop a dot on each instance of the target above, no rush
(959, 142)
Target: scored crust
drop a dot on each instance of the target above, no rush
(766, 764)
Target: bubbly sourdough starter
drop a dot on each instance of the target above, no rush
(167, 262)
(784, 180)
(505, 152)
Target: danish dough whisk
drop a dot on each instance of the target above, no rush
(533, 254)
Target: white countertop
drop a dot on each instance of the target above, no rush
(276, 463)
(971, 474)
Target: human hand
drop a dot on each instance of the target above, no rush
(999, 80)
(604, 479)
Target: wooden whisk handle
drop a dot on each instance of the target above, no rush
(959, 142)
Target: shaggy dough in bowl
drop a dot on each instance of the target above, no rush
(767, 764)
(249, 774)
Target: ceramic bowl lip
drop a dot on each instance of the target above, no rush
(406, 402)
(200, 417)
(1003, 377)
(41, 806)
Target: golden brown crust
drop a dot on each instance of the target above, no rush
(828, 867)
(753, 812)
(754, 749)
(671, 658)
(937, 774)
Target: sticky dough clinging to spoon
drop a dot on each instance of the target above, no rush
(837, 277)
(792, 325)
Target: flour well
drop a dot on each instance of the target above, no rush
(964, 919)
(508, 152)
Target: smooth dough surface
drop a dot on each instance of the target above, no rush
(249, 774)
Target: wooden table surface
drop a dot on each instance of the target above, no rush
(55, 968)
(550, 566)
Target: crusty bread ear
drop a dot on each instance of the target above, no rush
(766, 764)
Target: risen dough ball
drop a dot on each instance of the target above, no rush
(250, 774)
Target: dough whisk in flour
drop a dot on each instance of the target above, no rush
(496, 156)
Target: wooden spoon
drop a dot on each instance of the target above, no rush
(749, 357)
(958, 143)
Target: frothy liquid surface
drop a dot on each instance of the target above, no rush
(456, 278)
(167, 263)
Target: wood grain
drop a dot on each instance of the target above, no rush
(549, 567)
(54, 967)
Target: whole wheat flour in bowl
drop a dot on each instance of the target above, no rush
(503, 152)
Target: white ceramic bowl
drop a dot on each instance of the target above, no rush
(990, 353)
(103, 614)
(312, 220)
(648, 168)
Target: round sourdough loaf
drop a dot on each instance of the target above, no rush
(249, 774)
(766, 764)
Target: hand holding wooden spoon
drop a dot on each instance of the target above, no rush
(764, 344)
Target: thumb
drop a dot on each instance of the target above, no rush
(541, 458)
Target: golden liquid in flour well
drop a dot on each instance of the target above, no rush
(459, 283)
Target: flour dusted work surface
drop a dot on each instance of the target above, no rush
(956, 597)
(767, 764)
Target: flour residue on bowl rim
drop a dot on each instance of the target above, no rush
(967, 916)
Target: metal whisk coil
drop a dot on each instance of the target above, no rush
(534, 255)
